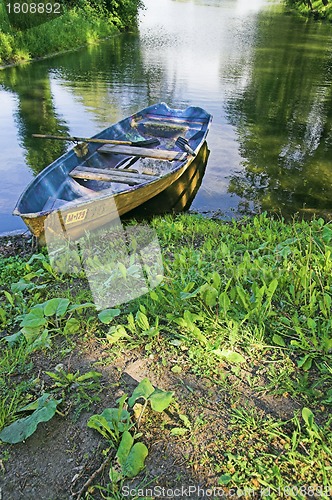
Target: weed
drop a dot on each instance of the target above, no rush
(79, 390)
(117, 426)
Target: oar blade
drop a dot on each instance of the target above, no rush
(146, 142)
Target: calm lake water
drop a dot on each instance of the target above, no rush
(264, 74)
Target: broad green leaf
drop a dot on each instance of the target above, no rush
(117, 333)
(278, 340)
(308, 417)
(9, 297)
(107, 315)
(31, 334)
(160, 400)
(243, 295)
(216, 280)
(72, 326)
(34, 319)
(327, 234)
(191, 318)
(135, 461)
(100, 424)
(199, 335)
(12, 339)
(142, 321)
(56, 307)
(176, 369)
(125, 446)
(143, 390)
(224, 302)
(231, 356)
(23, 428)
(86, 376)
(154, 296)
(272, 287)
(123, 270)
(116, 418)
(115, 476)
(78, 307)
(210, 296)
(305, 362)
(224, 479)
(178, 431)
(42, 341)
(111, 419)
(22, 285)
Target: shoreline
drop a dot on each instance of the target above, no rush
(55, 54)
(78, 26)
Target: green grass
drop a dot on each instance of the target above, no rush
(78, 26)
(245, 308)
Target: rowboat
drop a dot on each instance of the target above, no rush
(115, 171)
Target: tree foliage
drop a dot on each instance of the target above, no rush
(308, 3)
(123, 12)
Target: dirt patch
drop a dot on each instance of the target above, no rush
(56, 461)
(23, 245)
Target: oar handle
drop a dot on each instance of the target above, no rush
(145, 142)
(79, 139)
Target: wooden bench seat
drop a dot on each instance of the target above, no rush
(160, 154)
(111, 175)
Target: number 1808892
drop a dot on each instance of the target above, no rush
(34, 8)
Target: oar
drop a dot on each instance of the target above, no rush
(184, 145)
(145, 142)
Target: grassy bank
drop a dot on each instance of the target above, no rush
(317, 8)
(237, 335)
(78, 26)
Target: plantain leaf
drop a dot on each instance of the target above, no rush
(160, 400)
(125, 446)
(179, 431)
(143, 390)
(23, 428)
(107, 315)
(56, 306)
(308, 417)
(34, 319)
(135, 460)
(72, 326)
(230, 356)
(278, 340)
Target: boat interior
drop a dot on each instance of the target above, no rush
(119, 167)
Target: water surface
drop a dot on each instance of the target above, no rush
(264, 74)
